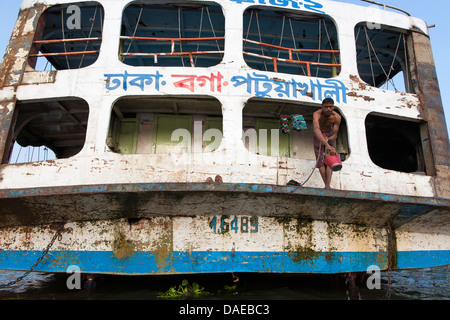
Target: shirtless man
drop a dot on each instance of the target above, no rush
(326, 127)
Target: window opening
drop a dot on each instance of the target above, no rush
(68, 37)
(263, 135)
(30, 154)
(149, 125)
(395, 144)
(293, 43)
(174, 35)
(382, 57)
(48, 130)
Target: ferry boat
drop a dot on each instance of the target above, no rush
(173, 129)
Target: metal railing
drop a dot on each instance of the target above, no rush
(39, 42)
(387, 6)
(191, 54)
(291, 51)
(172, 52)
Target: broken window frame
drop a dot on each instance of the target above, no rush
(291, 52)
(58, 125)
(177, 46)
(383, 146)
(57, 47)
(198, 110)
(259, 110)
(367, 32)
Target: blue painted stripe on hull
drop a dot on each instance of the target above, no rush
(422, 259)
(213, 262)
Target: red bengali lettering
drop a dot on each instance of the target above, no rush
(188, 82)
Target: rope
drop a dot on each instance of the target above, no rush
(370, 57)
(295, 46)
(281, 37)
(179, 34)
(315, 167)
(357, 35)
(90, 34)
(20, 150)
(63, 36)
(328, 36)
(392, 65)
(248, 28)
(369, 43)
(320, 46)
(212, 29)
(101, 21)
(199, 33)
(134, 33)
(260, 39)
(201, 29)
(329, 39)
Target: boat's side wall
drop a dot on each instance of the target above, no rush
(96, 164)
(12, 70)
(435, 132)
(209, 244)
(129, 236)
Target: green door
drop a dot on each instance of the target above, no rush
(172, 134)
(212, 138)
(269, 148)
(125, 135)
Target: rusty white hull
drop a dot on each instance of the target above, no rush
(199, 245)
(111, 104)
(210, 228)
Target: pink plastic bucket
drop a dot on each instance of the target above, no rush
(334, 162)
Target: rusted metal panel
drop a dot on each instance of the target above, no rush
(427, 88)
(167, 245)
(210, 244)
(6, 120)
(12, 69)
(16, 56)
(38, 77)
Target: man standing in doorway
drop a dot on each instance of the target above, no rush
(326, 124)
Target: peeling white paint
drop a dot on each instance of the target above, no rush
(189, 234)
(195, 234)
(88, 83)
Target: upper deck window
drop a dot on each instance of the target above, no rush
(172, 35)
(68, 37)
(291, 42)
(382, 57)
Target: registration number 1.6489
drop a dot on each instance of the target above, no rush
(225, 224)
